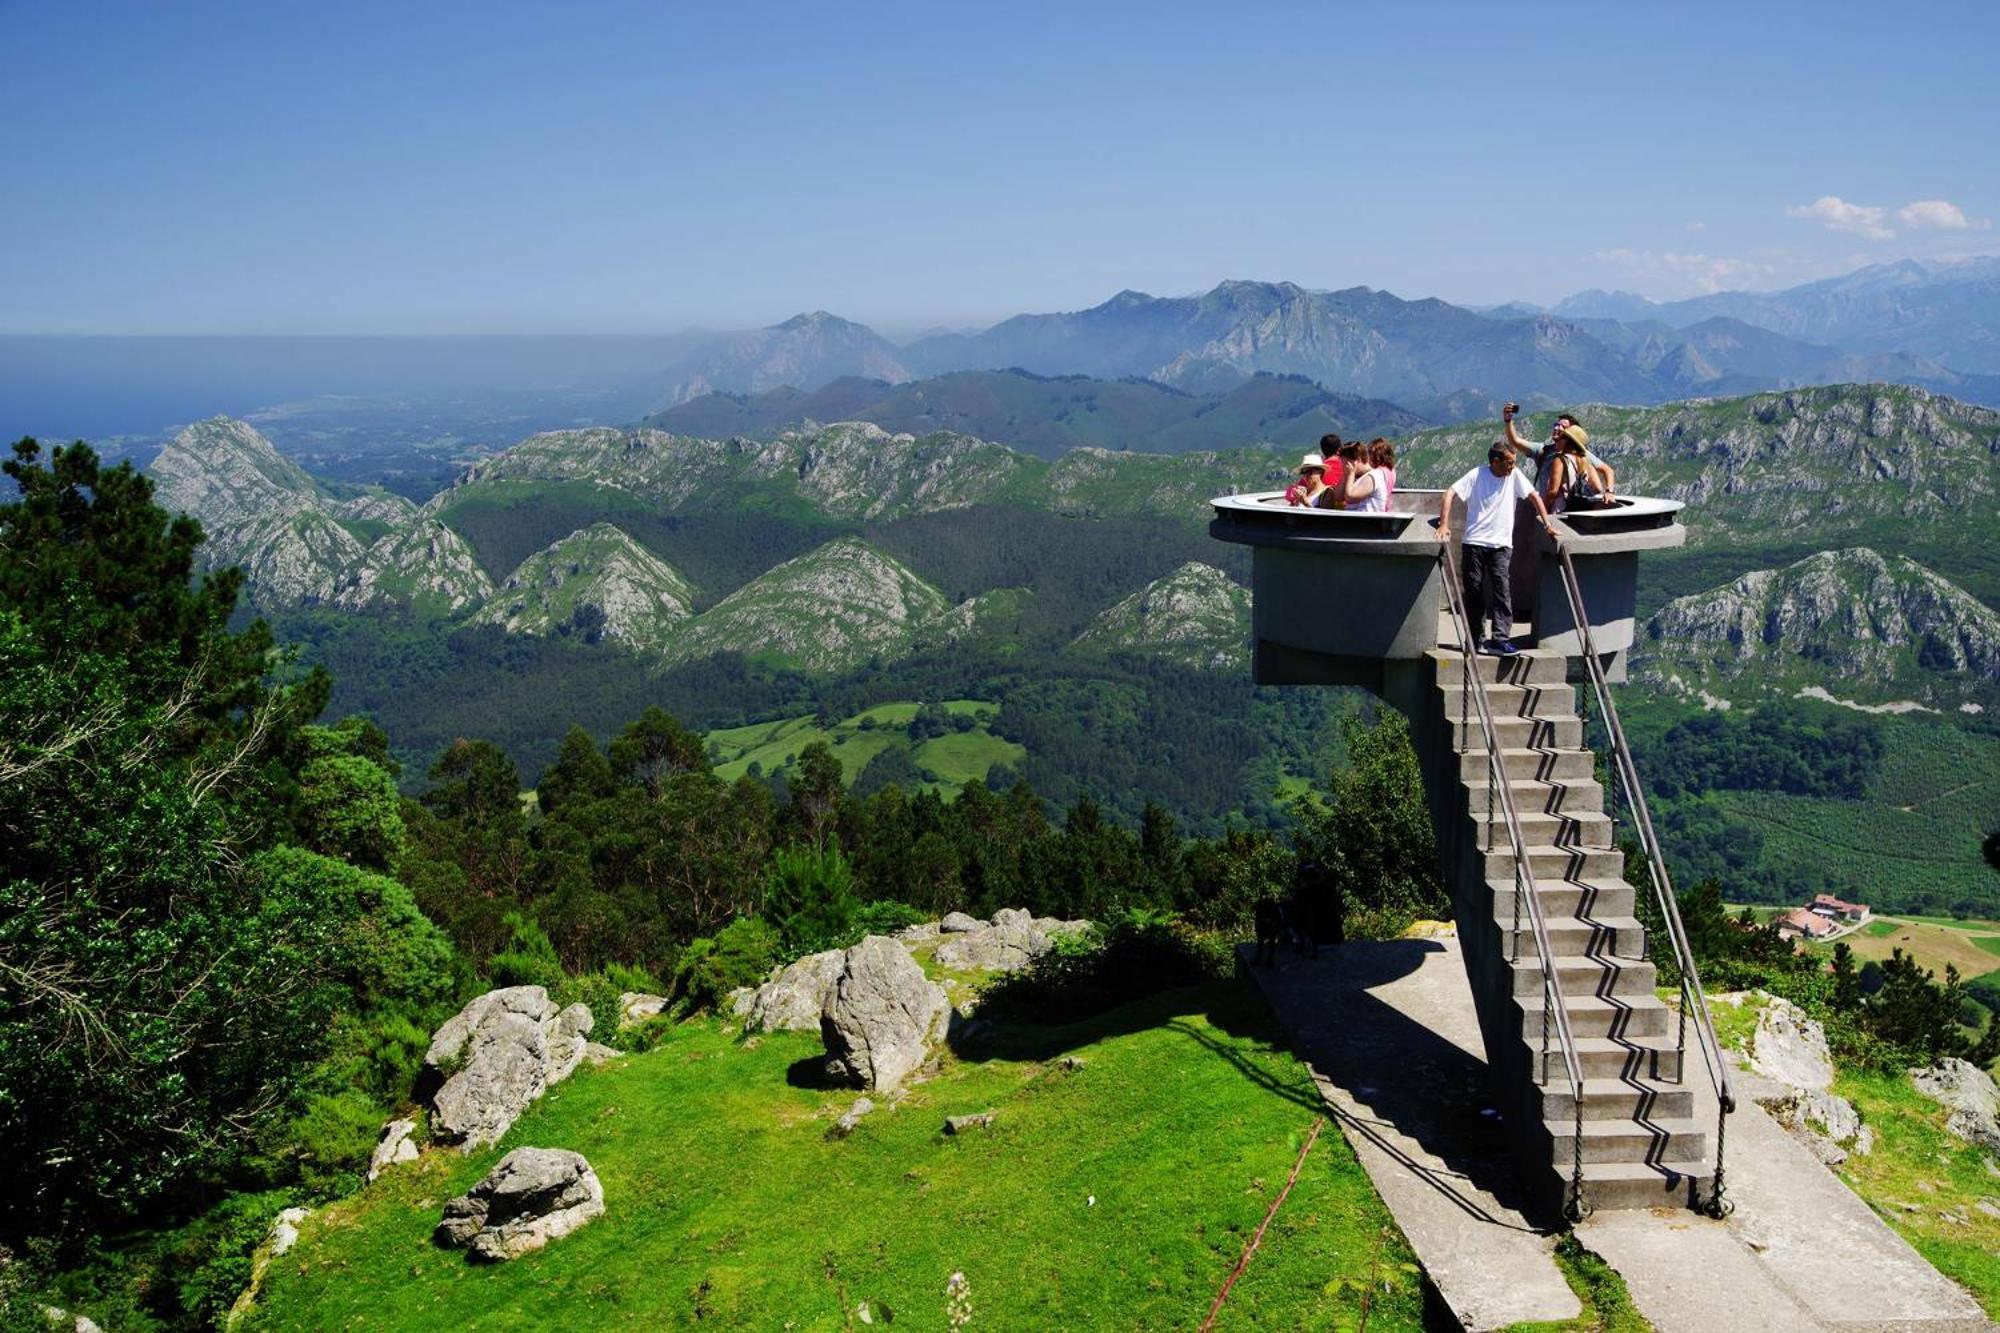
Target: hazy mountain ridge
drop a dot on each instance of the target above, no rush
(1936, 326)
(805, 351)
(1859, 625)
(1947, 312)
(1049, 415)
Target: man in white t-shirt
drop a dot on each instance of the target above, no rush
(1490, 495)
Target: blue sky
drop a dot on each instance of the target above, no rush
(361, 168)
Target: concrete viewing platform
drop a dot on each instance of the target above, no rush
(1390, 1034)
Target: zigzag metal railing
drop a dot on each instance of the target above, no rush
(1626, 772)
(1554, 1013)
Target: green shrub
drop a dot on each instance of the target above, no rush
(1136, 953)
(740, 954)
(529, 958)
(809, 897)
(885, 916)
(332, 1139)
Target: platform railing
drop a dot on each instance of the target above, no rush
(1625, 772)
(1555, 1015)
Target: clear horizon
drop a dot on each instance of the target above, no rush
(620, 171)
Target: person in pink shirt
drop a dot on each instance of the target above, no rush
(1382, 455)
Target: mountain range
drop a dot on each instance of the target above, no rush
(878, 544)
(1947, 312)
(1934, 326)
(1050, 415)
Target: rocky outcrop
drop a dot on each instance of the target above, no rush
(395, 1147)
(881, 1016)
(279, 1240)
(831, 609)
(1197, 616)
(795, 995)
(497, 1055)
(1969, 1093)
(1011, 941)
(636, 1007)
(534, 1196)
(1790, 1049)
(423, 566)
(957, 923)
(1851, 623)
(597, 583)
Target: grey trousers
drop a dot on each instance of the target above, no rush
(1484, 572)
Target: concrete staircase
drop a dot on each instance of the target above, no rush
(1641, 1144)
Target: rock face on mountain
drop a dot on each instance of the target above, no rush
(497, 1055)
(804, 352)
(1862, 626)
(423, 565)
(534, 1196)
(847, 470)
(224, 472)
(1197, 616)
(828, 610)
(596, 583)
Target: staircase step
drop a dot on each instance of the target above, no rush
(1551, 699)
(1554, 865)
(1614, 1098)
(1634, 1141)
(1553, 732)
(1570, 936)
(1628, 1057)
(1584, 975)
(1582, 828)
(1534, 795)
(1637, 1018)
(1520, 763)
(1600, 896)
(1675, 1183)
(1533, 667)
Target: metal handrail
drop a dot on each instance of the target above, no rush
(1626, 771)
(1553, 1009)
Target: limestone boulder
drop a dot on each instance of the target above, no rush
(957, 923)
(792, 999)
(1004, 946)
(635, 1007)
(496, 1056)
(1969, 1093)
(881, 1016)
(1791, 1048)
(394, 1147)
(534, 1196)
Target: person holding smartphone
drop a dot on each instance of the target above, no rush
(1490, 496)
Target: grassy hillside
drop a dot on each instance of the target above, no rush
(1094, 1202)
(952, 759)
(1909, 841)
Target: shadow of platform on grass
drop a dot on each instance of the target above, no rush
(1388, 1029)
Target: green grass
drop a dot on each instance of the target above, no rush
(1607, 1304)
(956, 758)
(1917, 1162)
(1881, 929)
(728, 1205)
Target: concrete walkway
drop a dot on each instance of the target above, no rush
(1388, 1031)
(1801, 1251)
